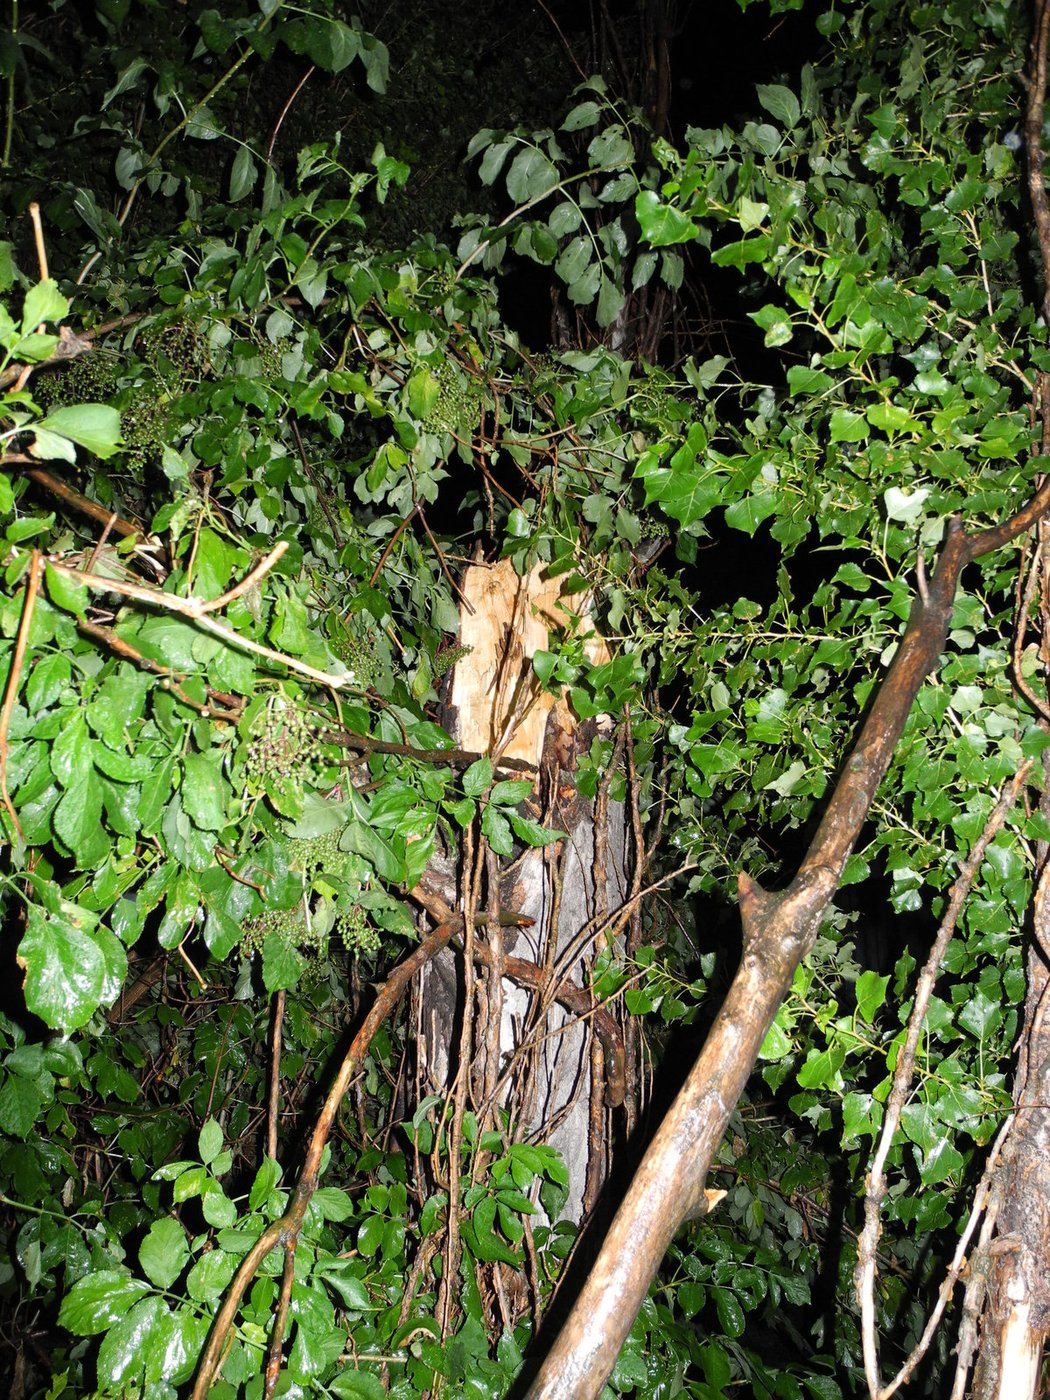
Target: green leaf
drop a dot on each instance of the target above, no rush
(129, 1344)
(510, 791)
(95, 426)
(65, 969)
(662, 224)
(96, 1302)
(386, 854)
(209, 1141)
(210, 1276)
(243, 174)
(283, 964)
(44, 302)
(583, 115)
(477, 779)
(264, 1185)
(847, 426)
(424, 390)
(779, 102)
(352, 1384)
(730, 1313)
(530, 175)
(65, 592)
(21, 1102)
(532, 833)
(164, 1252)
(496, 830)
(204, 790)
(871, 995)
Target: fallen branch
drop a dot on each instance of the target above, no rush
(779, 930)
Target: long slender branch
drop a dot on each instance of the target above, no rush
(779, 930)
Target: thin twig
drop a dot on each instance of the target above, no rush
(287, 108)
(197, 610)
(275, 1076)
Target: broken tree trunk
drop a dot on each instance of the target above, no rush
(543, 1051)
(778, 931)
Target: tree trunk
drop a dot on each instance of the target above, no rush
(542, 1052)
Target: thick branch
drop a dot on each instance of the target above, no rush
(779, 930)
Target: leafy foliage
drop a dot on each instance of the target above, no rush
(233, 504)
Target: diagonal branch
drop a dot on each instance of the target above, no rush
(778, 931)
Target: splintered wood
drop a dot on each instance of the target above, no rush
(499, 705)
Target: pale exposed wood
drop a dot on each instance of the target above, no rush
(494, 693)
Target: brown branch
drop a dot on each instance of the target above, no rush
(274, 1098)
(14, 676)
(174, 678)
(1033, 130)
(364, 743)
(83, 504)
(778, 931)
(576, 999)
(284, 1232)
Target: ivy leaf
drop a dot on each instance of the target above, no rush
(204, 790)
(65, 969)
(96, 1302)
(95, 426)
(164, 1252)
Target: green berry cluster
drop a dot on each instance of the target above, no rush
(459, 402)
(357, 655)
(318, 853)
(90, 378)
(356, 931)
(285, 745)
(173, 350)
(290, 926)
(445, 660)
